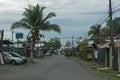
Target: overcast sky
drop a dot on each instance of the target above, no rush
(75, 17)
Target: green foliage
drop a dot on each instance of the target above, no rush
(53, 43)
(109, 74)
(21, 51)
(35, 21)
(84, 47)
(94, 33)
(105, 33)
(83, 50)
(116, 25)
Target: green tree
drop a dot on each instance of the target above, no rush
(95, 33)
(105, 32)
(116, 25)
(34, 20)
(84, 49)
(53, 43)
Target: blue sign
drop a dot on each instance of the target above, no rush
(19, 35)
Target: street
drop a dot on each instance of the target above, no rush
(54, 67)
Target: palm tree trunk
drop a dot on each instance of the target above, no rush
(32, 47)
(32, 51)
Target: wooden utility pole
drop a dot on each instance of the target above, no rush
(99, 38)
(1, 47)
(72, 41)
(112, 35)
(73, 45)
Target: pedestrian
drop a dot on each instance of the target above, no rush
(67, 55)
(70, 54)
(28, 50)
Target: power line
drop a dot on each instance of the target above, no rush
(103, 19)
(116, 10)
(95, 12)
(106, 17)
(117, 6)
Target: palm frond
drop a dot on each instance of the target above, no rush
(15, 25)
(56, 28)
(20, 24)
(50, 15)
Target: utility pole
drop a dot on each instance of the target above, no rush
(12, 41)
(112, 34)
(73, 45)
(72, 41)
(12, 35)
(99, 38)
(1, 47)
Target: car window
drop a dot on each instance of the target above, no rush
(14, 55)
(6, 55)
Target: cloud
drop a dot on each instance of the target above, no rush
(74, 16)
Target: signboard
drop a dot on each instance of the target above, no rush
(19, 35)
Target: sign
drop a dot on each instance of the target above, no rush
(19, 35)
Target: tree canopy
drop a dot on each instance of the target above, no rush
(35, 21)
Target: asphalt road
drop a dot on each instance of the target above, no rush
(54, 67)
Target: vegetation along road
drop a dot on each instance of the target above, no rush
(54, 67)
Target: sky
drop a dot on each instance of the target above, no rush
(75, 17)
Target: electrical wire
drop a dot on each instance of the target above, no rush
(106, 17)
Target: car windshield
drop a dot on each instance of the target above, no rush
(6, 55)
(14, 55)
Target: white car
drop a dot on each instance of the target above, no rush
(25, 60)
(10, 59)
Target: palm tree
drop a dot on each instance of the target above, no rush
(35, 22)
(105, 33)
(94, 32)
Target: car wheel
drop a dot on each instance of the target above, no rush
(13, 62)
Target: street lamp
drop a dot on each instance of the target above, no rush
(12, 35)
(12, 41)
(1, 47)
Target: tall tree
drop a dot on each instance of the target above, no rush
(116, 25)
(95, 33)
(105, 32)
(53, 43)
(34, 20)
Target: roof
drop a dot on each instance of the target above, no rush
(7, 42)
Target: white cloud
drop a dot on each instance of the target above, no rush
(70, 13)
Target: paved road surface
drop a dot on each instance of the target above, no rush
(55, 67)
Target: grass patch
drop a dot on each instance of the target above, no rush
(108, 73)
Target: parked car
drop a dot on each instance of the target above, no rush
(25, 60)
(11, 59)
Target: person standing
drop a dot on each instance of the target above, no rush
(28, 50)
